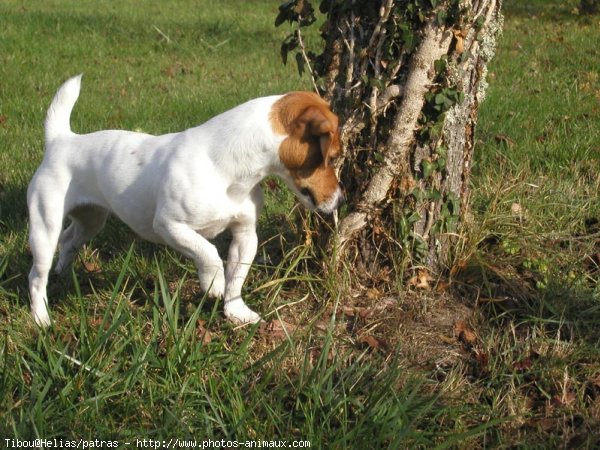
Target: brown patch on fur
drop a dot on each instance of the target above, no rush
(312, 142)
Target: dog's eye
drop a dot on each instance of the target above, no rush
(308, 193)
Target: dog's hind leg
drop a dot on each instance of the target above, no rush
(86, 222)
(46, 213)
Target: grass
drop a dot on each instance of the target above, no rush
(507, 356)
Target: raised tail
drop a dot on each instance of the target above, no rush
(59, 114)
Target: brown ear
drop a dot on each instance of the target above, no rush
(318, 125)
(326, 140)
(314, 122)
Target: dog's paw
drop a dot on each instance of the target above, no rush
(239, 313)
(41, 317)
(213, 284)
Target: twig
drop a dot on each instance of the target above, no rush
(168, 39)
(80, 364)
(306, 60)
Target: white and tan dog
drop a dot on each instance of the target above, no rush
(179, 189)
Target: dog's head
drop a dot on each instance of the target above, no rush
(307, 153)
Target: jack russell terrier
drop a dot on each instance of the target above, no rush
(179, 189)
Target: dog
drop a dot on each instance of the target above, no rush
(179, 189)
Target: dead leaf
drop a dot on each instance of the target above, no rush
(458, 267)
(516, 208)
(3, 120)
(276, 329)
(523, 365)
(202, 332)
(421, 280)
(464, 333)
(407, 184)
(351, 311)
(504, 139)
(92, 266)
(372, 342)
(482, 359)
(373, 293)
(447, 340)
(560, 401)
(460, 44)
(442, 286)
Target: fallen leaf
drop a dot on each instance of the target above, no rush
(202, 332)
(459, 35)
(92, 266)
(421, 280)
(458, 267)
(3, 120)
(442, 286)
(559, 401)
(372, 342)
(482, 359)
(464, 333)
(504, 139)
(352, 311)
(373, 293)
(447, 340)
(276, 329)
(523, 365)
(516, 208)
(407, 184)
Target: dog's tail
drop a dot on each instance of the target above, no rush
(59, 114)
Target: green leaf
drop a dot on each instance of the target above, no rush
(440, 66)
(434, 195)
(376, 82)
(428, 168)
(300, 62)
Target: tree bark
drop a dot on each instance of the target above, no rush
(590, 6)
(406, 78)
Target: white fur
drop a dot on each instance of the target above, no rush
(177, 189)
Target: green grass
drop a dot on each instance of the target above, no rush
(136, 351)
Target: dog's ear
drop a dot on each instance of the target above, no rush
(318, 125)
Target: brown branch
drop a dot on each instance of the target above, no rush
(306, 60)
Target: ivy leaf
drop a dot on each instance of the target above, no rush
(300, 62)
(440, 99)
(440, 66)
(376, 82)
(441, 162)
(286, 12)
(288, 44)
(434, 195)
(428, 168)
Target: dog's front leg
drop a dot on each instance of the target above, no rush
(184, 239)
(241, 254)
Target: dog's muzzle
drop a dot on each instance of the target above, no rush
(334, 202)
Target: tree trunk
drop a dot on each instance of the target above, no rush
(406, 78)
(590, 6)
